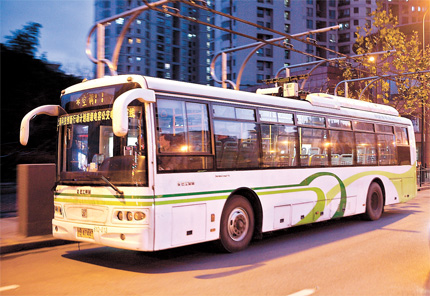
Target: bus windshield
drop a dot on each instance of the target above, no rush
(90, 153)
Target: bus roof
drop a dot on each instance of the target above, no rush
(318, 102)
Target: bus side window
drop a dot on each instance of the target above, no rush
(226, 144)
(366, 148)
(403, 149)
(341, 148)
(236, 144)
(387, 149)
(314, 148)
(184, 142)
(279, 145)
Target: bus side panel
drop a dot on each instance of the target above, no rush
(187, 209)
(188, 206)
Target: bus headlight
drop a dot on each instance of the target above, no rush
(58, 211)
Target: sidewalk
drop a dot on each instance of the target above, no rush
(12, 241)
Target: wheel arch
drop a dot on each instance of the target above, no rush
(381, 185)
(254, 200)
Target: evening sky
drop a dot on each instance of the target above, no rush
(66, 24)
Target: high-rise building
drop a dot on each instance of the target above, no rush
(292, 17)
(158, 44)
(407, 12)
(161, 45)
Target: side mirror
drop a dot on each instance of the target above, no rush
(119, 110)
(52, 110)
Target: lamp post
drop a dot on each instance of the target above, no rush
(372, 60)
(423, 113)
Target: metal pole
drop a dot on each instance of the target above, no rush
(423, 113)
(224, 69)
(383, 76)
(100, 50)
(346, 89)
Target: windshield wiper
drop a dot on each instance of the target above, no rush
(120, 192)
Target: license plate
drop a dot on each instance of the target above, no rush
(85, 233)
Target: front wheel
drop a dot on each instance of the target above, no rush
(237, 224)
(374, 203)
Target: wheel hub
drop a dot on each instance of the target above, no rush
(238, 224)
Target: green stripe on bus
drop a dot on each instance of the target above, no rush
(182, 201)
(348, 181)
(193, 193)
(221, 194)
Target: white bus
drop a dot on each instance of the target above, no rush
(150, 164)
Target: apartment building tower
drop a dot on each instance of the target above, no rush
(158, 44)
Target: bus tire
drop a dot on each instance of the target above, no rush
(237, 224)
(374, 202)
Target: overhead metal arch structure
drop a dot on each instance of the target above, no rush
(256, 47)
(317, 64)
(377, 78)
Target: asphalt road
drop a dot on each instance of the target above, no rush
(390, 256)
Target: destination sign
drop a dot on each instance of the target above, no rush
(92, 98)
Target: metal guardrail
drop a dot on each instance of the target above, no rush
(423, 176)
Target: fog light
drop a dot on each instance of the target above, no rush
(129, 216)
(139, 216)
(122, 236)
(119, 215)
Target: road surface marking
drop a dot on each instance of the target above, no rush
(305, 292)
(7, 288)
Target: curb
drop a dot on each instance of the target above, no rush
(32, 244)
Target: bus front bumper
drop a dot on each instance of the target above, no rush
(131, 238)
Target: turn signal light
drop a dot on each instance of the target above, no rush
(120, 216)
(138, 216)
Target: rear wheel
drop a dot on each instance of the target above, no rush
(237, 224)
(374, 202)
